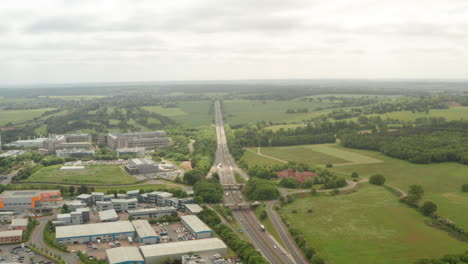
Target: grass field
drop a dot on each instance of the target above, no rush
(189, 113)
(453, 113)
(245, 111)
(93, 174)
(369, 226)
(155, 187)
(285, 127)
(19, 116)
(441, 181)
(251, 158)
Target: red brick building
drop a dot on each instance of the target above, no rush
(299, 176)
(11, 236)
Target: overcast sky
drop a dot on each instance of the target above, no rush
(67, 41)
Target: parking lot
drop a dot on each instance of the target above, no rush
(15, 253)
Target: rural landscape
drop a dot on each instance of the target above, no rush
(333, 175)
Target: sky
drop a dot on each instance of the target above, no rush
(70, 41)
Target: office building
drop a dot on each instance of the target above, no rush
(30, 199)
(134, 152)
(85, 198)
(147, 140)
(11, 236)
(152, 212)
(123, 205)
(28, 143)
(104, 205)
(193, 209)
(75, 153)
(142, 166)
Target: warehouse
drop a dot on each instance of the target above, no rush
(152, 212)
(196, 226)
(92, 232)
(30, 199)
(19, 224)
(11, 236)
(158, 253)
(145, 233)
(124, 255)
(108, 216)
(193, 209)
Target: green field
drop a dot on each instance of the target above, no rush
(285, 127)
(369, 226)
(19, 116)
(145, 187)
(246, 111)
(313, 155)
(251, 159)
(453, 113)
(441, 181)
(188, 113)
(93, 174)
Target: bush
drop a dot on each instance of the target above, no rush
(377, 179)
(289, 183)
(354, 175)
(329, 165)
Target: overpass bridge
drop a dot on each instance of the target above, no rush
(241, 206)
(236, 186)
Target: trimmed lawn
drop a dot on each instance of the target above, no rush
(93, 174)
(453, 113)
(19, 116)
(369, 226)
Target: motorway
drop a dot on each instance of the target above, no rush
(249, 223)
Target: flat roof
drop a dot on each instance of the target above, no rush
(19, 222)
(25, 193)
(74, 202)
(97, 193)
(84, 196)
(195, 223)
(133, 191)
(182, 247)
(150, 210)
(195, 208)
(123, 255)
(108, 215)
(94, 229)
(11, 233)
(132, 200)
(144, 229)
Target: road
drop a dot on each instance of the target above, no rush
(284, 233)
(9, 178)
(249, 223)
(36, 238)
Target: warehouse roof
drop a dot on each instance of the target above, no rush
(195, 223)
(123, 255)
(25, 193)
(194, 208)
(144, 229)
(11, 233)
(94, 229)
(182, 247)
(19, 222)
(107, 215)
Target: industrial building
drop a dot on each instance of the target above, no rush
(152, 212)
(134, 152)
(147, 140)
(145, 233)
(196, 226)
(142, 166)
(158, 253)
(7, 216)
(108, 216)
(11, 236)
(75, 153)
(108, 231)
(12, 153)
(124, 255)
(193, 209)
(30, 199)
(19, 224)
(27, 143)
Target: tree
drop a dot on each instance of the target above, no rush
(193, 176)
(354, 175)
(465, 187)
(428, 208)
(71, 189)
(377, 179)
(416, 190)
